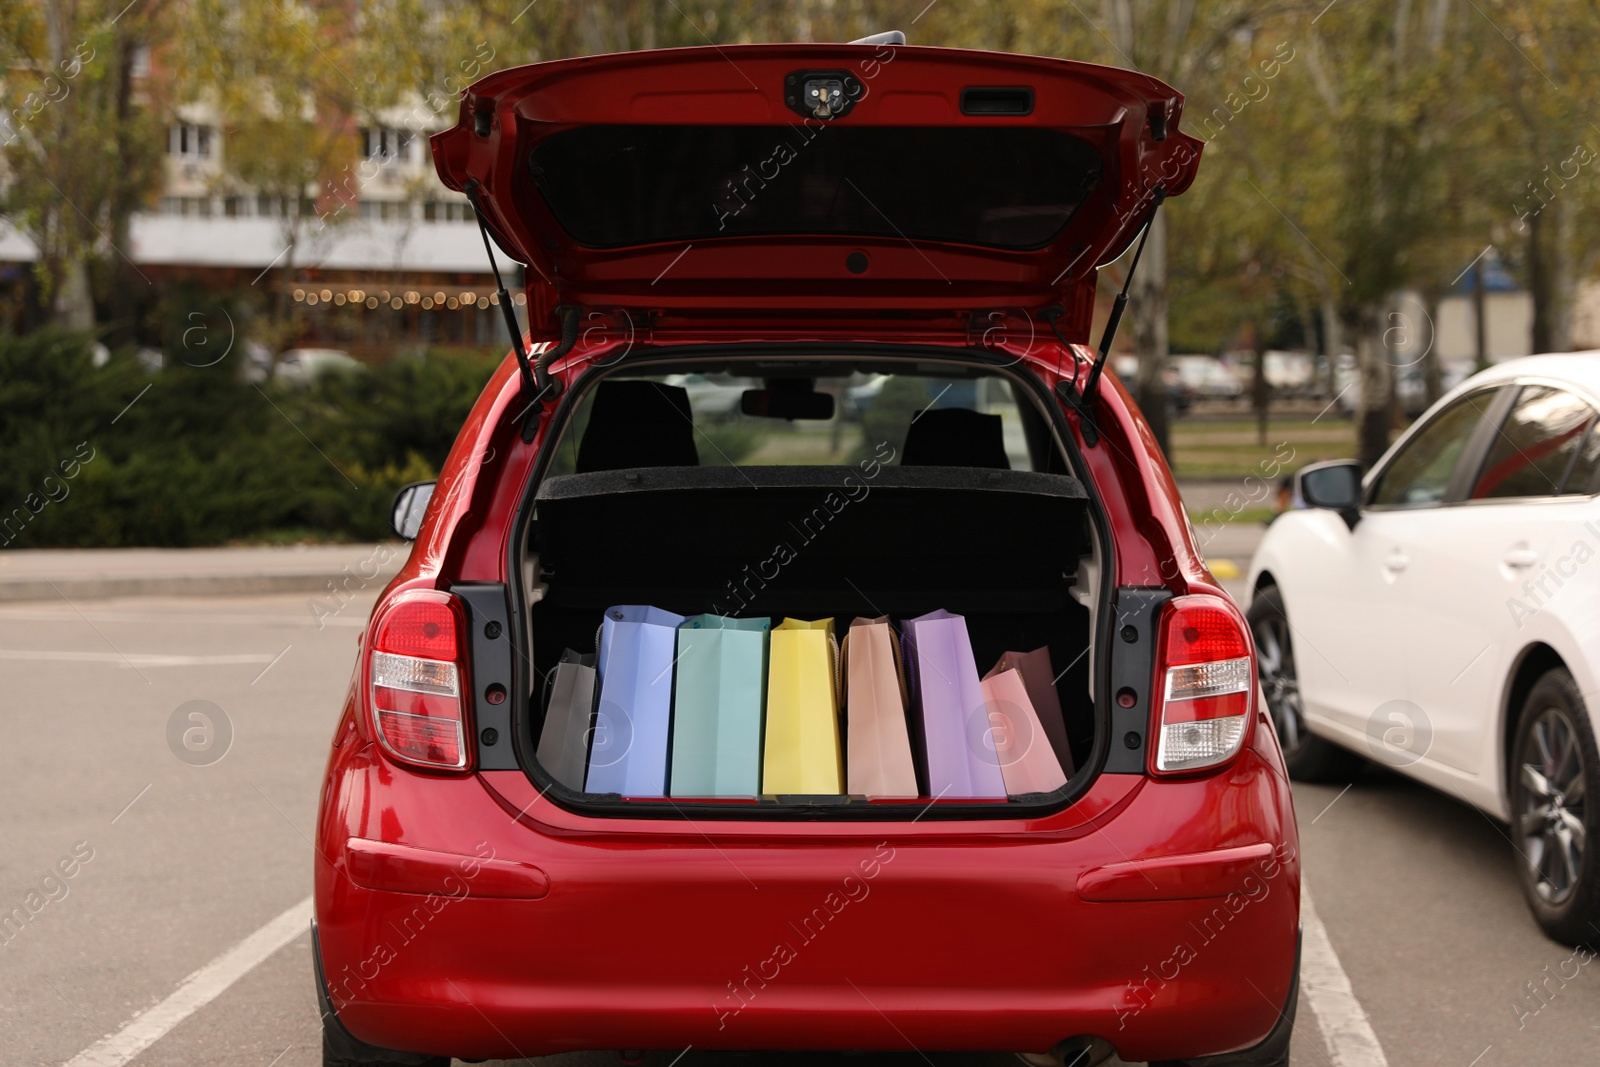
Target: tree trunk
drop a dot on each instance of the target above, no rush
(1480, 319)
(1260, 394)
(1332, 339)
(1432, 374)
(74, 306)
(1563, 278)
(1372, 414)
(123, 299)
(1540, 285)
(1148, 300)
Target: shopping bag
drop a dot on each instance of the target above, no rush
(1027, 763)
(1040, 679)
(717, 704)
(801, 754)
(629, 751)
(564, 738)
(958, 751)
(877, 742)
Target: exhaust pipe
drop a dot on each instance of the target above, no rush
(1083, 1051)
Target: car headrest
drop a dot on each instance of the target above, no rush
(955, 437)
(638, 424)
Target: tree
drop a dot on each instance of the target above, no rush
(1537, 65)
(81, 149)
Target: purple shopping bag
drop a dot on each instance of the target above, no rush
(947, 698)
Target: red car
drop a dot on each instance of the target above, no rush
(804, 219)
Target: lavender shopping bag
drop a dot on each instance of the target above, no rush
(948, 701)
(636, 651)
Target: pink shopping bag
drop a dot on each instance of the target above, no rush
(878, 750)
(1026, 762)
(1039, 678)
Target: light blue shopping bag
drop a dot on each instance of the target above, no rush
(629, 751)
(718, 702)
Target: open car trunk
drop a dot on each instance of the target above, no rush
(1011, 551)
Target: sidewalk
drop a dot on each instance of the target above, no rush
(97, 573)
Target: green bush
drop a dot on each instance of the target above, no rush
(202, 457)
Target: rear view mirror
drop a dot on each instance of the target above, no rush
(410, 504)
(787, 398)
(1335, 486)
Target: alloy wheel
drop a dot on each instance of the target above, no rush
(1279, 683)
(1550, 810)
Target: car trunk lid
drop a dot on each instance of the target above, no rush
(702, 188)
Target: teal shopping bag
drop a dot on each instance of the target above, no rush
(718, 699)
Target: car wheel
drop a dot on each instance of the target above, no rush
(1308, 758)
(1553, 794)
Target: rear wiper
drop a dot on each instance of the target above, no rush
(537, 385)
(1082, 400)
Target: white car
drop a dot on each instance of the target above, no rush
(1442, 615)
(302, 366)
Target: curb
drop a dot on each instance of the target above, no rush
(105, 587)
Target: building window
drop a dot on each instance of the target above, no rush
(447, 211)
(233, 206)
(188, 140)
(388, 145)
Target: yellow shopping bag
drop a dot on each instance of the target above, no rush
(801, 754)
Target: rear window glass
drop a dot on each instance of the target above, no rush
(696, 420)
(612, 186)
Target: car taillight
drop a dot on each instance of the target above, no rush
(1205, 684)
(417, 678)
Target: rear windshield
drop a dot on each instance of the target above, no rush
(696, 419)
(613, 186)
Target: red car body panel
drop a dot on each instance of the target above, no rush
(469, 915)
(933, 935)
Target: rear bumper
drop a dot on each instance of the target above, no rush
(556, 934)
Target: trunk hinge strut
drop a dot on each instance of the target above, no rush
(537, 385)
(1082, 399)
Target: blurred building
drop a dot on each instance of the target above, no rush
(394, 262)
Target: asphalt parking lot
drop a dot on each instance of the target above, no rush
(180, 864)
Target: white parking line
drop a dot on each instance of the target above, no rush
(195, 991)
(1344, 1025)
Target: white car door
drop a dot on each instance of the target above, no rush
(1344, 588)
(1473, 574)
(1407, 502)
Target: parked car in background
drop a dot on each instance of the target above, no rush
(713, 396)
(302, 366)
(1410, 385)
(471, 903)
(1180, 395)
(1290, 374)
(1439, 615)
(1207, 378)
